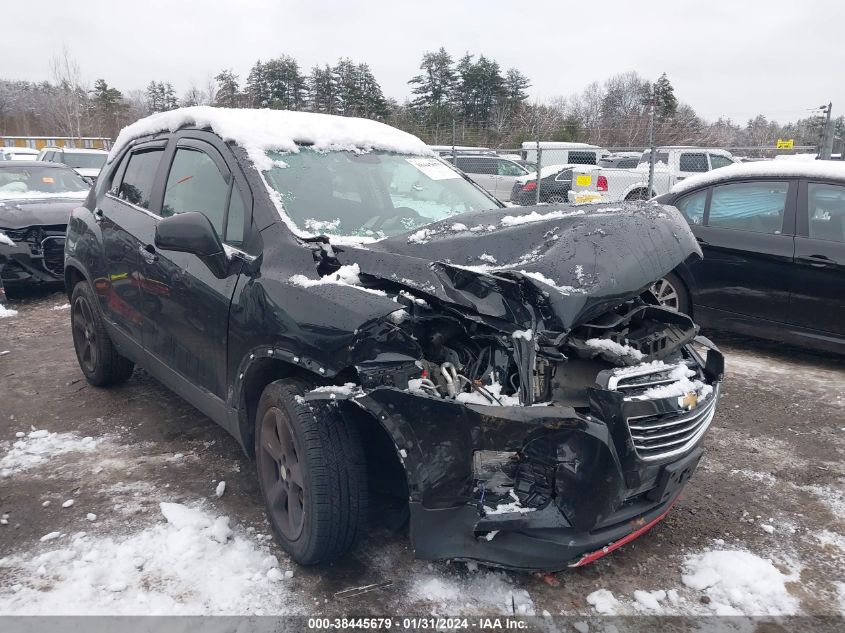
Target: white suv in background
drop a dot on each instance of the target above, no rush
(86, 162)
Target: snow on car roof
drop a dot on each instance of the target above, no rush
(259, 131)
(781, 169)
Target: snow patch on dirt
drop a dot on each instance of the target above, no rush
(740, 583)
(193, 563)
(481, 592)
(38, 447)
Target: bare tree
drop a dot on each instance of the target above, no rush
(70, 94)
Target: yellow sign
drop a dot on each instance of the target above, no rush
(583, 180)
(785, 144)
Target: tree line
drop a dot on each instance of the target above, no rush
(471, 100)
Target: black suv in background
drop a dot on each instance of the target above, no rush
(369, 324)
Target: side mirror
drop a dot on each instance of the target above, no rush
(193, 233)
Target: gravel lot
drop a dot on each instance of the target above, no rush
(771, 487)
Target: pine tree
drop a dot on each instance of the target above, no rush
(154, 96)
(322, 92)
(373, 104)
(228, 94)
(106, 107)
(664, 97)
(516, 85)
(168, 96)
(256, 90)
(285, 84)
(434, 88)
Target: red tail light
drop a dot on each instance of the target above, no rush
(530, 186)
(601, 183)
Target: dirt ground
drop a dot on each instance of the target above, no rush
(772, 483)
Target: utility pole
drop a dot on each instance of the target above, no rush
(454, 160)
(652, 152)
(539, 156)
(826, 144)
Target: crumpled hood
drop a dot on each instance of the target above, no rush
(19, 214)
(583, 259)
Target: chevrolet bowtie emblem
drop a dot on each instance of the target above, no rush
(689, 400)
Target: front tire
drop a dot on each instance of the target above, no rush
(311, 472)
(671, 292)
(98, 358)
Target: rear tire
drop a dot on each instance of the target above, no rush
(311, 472)
(638, 194)
(98, 358)
(672, 293)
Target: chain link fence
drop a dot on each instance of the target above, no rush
(582, 172)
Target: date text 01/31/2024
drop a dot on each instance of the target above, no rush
(418, 623)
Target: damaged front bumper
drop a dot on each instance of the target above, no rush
(545, 487)
(37, 256)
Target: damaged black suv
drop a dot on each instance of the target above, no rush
(373, 328)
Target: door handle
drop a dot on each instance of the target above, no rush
(148, 252)
(819, 261)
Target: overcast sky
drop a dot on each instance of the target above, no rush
(734, 58)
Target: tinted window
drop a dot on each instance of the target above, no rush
(628, 163)
(472, 165)
(692, 206)
(749, 206)
(507, 168)
(826, 210)
(195, 184)
(693, 162)
(661, 159)
(137, 183)
(717, 161)
(581, 158)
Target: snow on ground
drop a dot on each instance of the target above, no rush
(38, 447)
(479, 592)
(190, 563)
(7, 312)
(732, 582)
(739, 582)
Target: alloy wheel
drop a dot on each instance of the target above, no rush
(666, 293)
(281, 474)
(84, 334)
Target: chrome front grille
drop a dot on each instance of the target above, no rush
(666, 435)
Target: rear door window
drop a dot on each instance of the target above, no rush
(507, 168)
(582, 158)
(692, 206)
(693, 162)
(826, 212)
(476, 165)
(717, 161)
(749, 206)
(137, 183)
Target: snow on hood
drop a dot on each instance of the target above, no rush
(779, 169)
(259, 131)
(584, 261)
